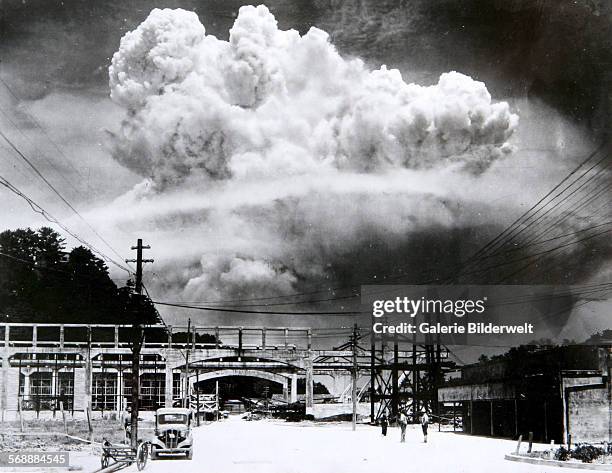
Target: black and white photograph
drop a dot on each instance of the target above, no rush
(305, 236)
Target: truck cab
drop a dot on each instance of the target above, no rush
(173, 435)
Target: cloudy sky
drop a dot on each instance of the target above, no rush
(319, 176)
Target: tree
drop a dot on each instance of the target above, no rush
(29, 269)
(136, 309)
(41, 282)
(605, 336)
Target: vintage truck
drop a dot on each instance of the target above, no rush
(172, 433)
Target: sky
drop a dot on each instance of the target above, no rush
(263, 232)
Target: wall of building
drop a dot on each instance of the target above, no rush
(109, 364)
(495, 410)
(588, 415)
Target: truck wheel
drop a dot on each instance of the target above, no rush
(190, 454)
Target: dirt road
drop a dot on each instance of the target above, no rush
(235, 445)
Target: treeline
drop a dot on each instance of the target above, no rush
(42, 282)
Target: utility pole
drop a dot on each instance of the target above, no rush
(137, 340)
(372, 375)
(186, 391)
(354, 375)
(197, 391)
(217, 398)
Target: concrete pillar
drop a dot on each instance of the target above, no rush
(309, 383)
(82, 383)
(335, 390)
(263, 338)
(34, 335)
(294, 393)
(168, 392)
(286, 337)
(119, 393)
(61, 336)
(285, 391)
(3, 385)
(26, 381)
(12, 388)
(88, 379)
(5, 373)
(80, 393)
(116, 337)
(54, 382)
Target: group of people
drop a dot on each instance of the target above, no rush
(402, 421)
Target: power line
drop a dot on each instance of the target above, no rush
(506, 235)
(271, 304)
(41, 128)
(513, 233)
(533, 207)
(45, 268)
(239, 311)
(586, 200)
(544, 253)
(50, 218)
(589, 198)
(66, 180)
(62, 198)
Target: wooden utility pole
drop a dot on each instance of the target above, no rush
(197, 391)
(372, 374)
(186, 390)
(354, 376)
(137, 340)
(217, 397)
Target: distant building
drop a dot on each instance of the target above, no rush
(554, 393)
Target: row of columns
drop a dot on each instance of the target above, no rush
(83, 377)
(193, 332)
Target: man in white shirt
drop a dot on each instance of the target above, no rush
(424, 424)
(403, 422)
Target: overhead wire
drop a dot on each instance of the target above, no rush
(50, 218)
(16, 149)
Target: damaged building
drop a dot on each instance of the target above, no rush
(560, 393)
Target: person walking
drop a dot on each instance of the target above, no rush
(424, 425)
(403, 423)
(384, 423)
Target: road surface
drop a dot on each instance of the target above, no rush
(234, 445)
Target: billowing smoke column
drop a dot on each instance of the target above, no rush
(281, 160)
